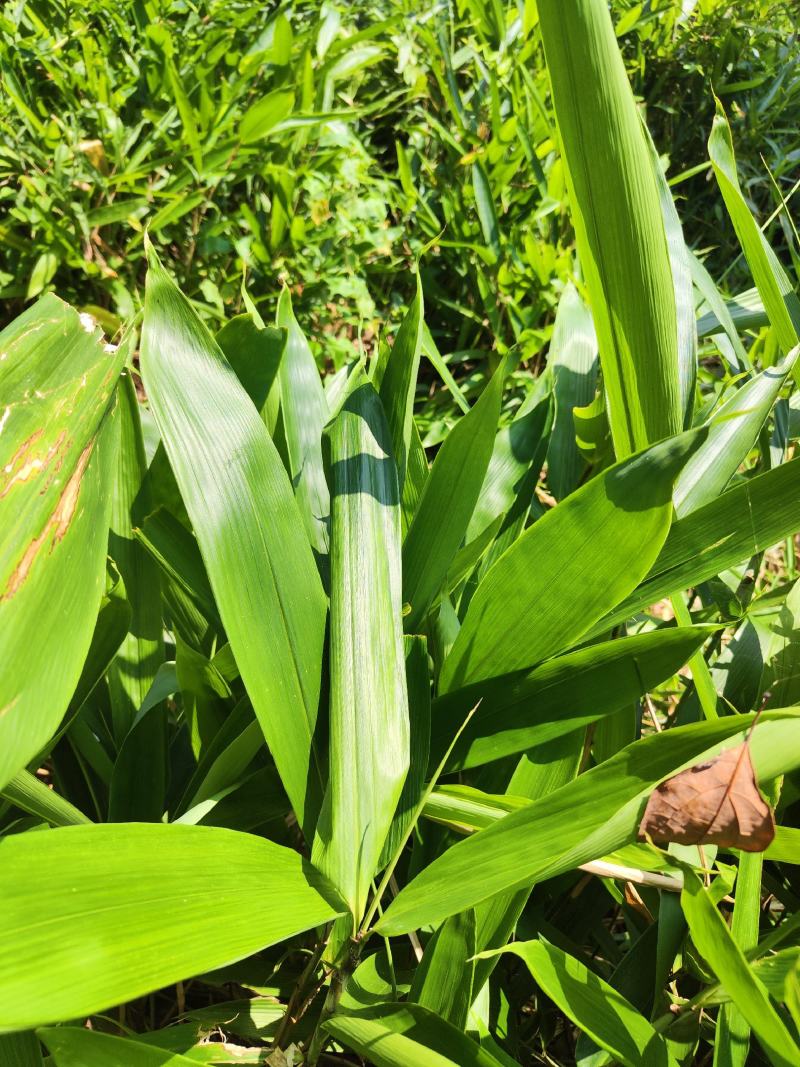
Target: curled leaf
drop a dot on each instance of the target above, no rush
(716, 802)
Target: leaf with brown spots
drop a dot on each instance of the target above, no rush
(716, 802)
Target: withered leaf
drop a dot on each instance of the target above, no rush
(713, 803)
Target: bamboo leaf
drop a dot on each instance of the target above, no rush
(20, 1050)
(518, 711)
(594, 1005)
(714, 941)
(448, 501)
(133, 908)
(716, 537)
(618, 222)
(781, 303)
(369, 725)
(593, 548)
(138, 659)
(407, 1035)
(732, 433)
(71, 1046)
(59, 442)
(399, 382)
(249, 530)
(305, 411)
(573, 361)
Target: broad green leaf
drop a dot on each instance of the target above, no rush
(110, 628)
(134, 668)
(370, 984)
(586, 819)
(732, 432)
(131, 908)
(569, 568)
(775, 289)
(715, 537)
(467, 809)
(447, 502)
(305, 411)
(265, 114)
(71, 1046)
(59, 442)
(714, 942)
(249, 529)
(399, 382)
(615, 207)
(407, 1035)
(530, 708)
(573, 361)
(369, 725)
(594, 1005)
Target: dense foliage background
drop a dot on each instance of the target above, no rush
(328, 144)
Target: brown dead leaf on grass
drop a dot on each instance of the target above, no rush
(716, 802)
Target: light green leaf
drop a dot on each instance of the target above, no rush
(713, 940)
(584, 820)
(776, 291)
(132, 908)
(447, 502)
(71, 1046)
(485, 207)
(59, 442)
(569, 568)
(369, 726)
(249, 530)
(28, 793)
(618, 222)
(593, 1005)
(573, 361)
(418, 684)
(732, 432)
(733, 1031)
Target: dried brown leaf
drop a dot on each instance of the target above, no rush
(716, 802)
